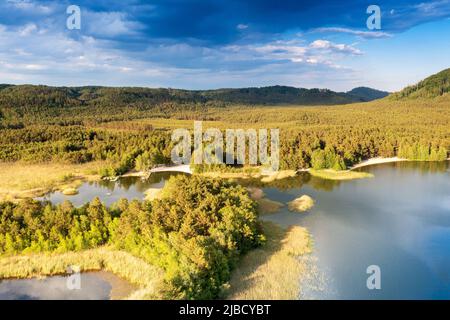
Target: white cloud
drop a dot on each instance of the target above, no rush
(328, 45)
(55, 58)
(28, 5)
(109, 24)
(360, 33)
(28, 29)
(242, 26)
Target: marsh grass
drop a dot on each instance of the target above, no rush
(19, 180)
(69, 191)
(148, 278)
(274, 270)
(330, 174)
(301, 204)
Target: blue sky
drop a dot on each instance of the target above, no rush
(198, 44)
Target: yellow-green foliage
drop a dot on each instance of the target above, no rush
(301, 204)
(196, 231)
(195, 234)
(321, 137)
(273, 270)
(70, 191)
(152, 193)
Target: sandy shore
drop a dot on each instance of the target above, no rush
(181, 168)
(377, 160)
(186, 168)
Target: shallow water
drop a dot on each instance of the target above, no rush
(399, 220)
(110, 192)
(92, 286)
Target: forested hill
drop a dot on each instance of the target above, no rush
(285, 95)
(44, 96)
(434, 86)
(367, 94)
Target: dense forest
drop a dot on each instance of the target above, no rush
(431, 87)
(78, 125)
(325, 137)
(196, 235)
(28, 104)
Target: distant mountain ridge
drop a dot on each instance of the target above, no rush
(367, 94)
(434, 86)
(45, 96)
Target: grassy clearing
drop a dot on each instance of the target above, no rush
(301, 204)
(30, 180)
(330, 174)
(147, 277)
(274, 270)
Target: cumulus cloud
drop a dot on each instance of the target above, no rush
(132, 43)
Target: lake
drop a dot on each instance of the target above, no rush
(98, 285)
(399, 221)
(111, 191)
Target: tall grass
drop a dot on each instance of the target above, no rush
(147, 277)
(19, 180)
(274, 270)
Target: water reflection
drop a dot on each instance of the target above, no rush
(94, 286)
(398, 220)
(110, 192)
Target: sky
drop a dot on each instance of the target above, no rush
(199, 44)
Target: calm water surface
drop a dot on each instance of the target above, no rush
(399, 220)
(93, 286)
(110, 192)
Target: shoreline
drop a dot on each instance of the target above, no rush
(74, 180)
(376, 160)
(184, 168)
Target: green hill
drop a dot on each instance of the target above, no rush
(367, 94)
(434, 86)
(25, 104)
(73, 96)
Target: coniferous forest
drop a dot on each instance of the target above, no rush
(77, 125)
